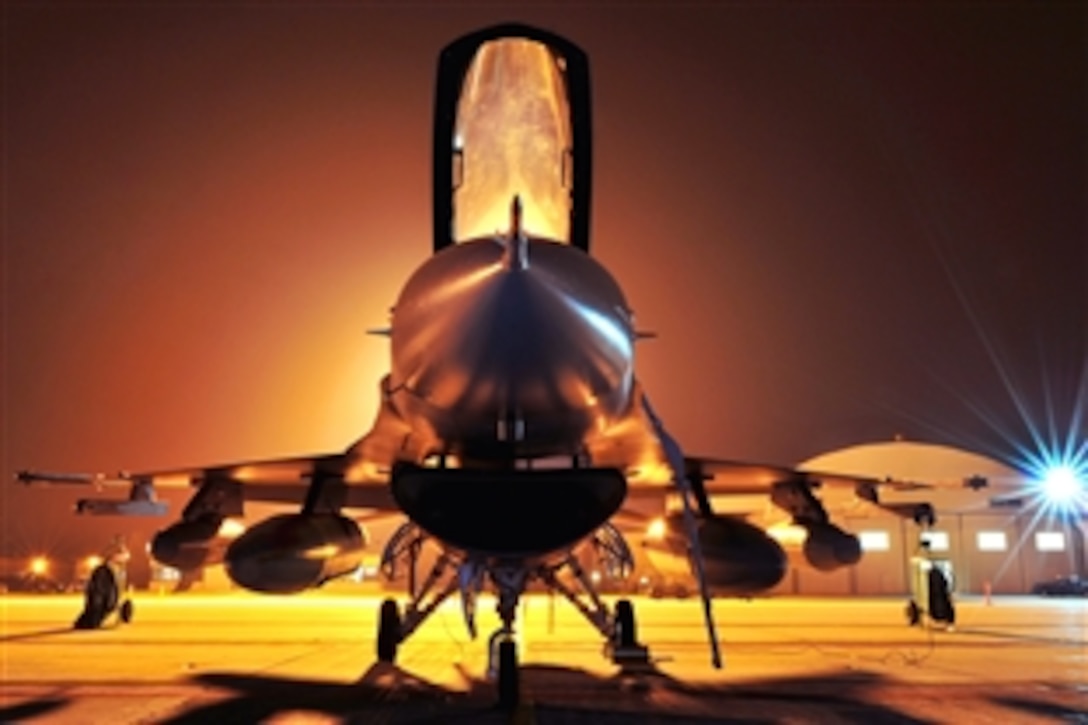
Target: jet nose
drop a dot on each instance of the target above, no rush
(544, 344)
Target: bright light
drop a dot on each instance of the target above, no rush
(92, 562)
(231, 528)
(656, 530)
(1061, 484)
(788, 534)
(874, 540)
(992, 541)
(1059, 479)
(39, 565)
(1049, 541)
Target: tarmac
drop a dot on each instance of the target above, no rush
(202, 658)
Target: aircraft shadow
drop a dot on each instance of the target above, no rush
(549, 694)
(1016, 637)
(643, 693)
(38, 633)
(32, 709)
(383, 688)
(1048, 710)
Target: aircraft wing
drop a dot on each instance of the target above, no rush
(723, 477)
(792, 489)
(356, 483)
(355, 478)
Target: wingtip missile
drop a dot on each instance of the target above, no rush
(29, 477)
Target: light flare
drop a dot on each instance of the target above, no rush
(231, 528)
(788, 534)
(39, 566)
(1061, 485)
(656, 530)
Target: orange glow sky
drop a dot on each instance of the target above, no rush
(843, 223)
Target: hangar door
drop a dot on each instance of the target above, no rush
(992, 546)
(1051, 549)
(882, 569)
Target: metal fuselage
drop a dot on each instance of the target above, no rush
(502, 354)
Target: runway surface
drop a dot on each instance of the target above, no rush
(245, 658)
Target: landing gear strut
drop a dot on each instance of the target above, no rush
(509, 580)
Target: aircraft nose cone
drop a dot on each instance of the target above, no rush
(542, 349)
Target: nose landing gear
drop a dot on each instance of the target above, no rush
(502, 667)
(454, 571)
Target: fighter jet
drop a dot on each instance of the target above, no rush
(512, 427)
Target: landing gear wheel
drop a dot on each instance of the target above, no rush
(509, 684)
(388, 631)
(99, 598)
(914, 614)
(126, 611)
(625, 635)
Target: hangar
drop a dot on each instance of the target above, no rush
(993, 530)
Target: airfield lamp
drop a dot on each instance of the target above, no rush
(39, 566)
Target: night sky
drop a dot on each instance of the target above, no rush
(845, 222)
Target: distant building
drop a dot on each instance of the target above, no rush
(1002, 536)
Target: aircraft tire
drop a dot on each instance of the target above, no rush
(99, 598)
(625, 633)
(509, 677)
(914, 614)
(388, 631)
(126, 611)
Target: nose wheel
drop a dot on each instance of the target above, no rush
(502, 667)
(626, 649)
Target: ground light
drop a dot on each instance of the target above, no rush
(39, 566)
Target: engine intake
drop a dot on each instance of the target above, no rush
(289, 553)
(508, 512)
